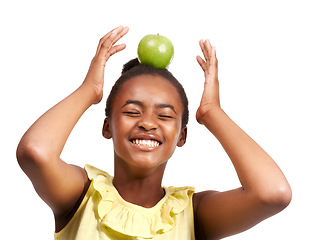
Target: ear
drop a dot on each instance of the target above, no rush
(106, 130)
(182, 138)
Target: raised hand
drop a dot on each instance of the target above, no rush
(210, 97)
(106, 48)
(59, 184)
(264, 189)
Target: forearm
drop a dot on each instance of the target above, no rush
(256, 170)
(48, 135)
(265, 190)
(60, 184)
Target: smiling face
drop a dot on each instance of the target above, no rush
(146, 122)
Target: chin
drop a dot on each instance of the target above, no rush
(144, 167)
(147, 163)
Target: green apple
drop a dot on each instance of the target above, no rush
(155, 50)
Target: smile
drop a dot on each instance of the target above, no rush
(145, 143)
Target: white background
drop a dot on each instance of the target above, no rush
(271, 70)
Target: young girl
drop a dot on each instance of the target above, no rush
(146, 117)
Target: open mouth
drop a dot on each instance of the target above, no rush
(145, 143)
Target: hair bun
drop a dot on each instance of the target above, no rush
(130, 64)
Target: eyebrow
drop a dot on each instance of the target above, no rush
(139, 103)
(162, 105)
(132, 102)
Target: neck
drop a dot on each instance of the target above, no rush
(139, 186)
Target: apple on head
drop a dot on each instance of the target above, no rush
(155, 50)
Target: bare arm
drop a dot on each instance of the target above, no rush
(59, 184)
(265, 190)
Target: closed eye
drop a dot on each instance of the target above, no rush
(131, 113)
(166, 117)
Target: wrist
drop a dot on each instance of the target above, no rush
(205, 113)
(91, 91)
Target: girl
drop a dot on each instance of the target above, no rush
(146, 122)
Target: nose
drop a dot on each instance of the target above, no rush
(148, 122)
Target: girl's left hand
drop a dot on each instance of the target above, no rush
(210, 98)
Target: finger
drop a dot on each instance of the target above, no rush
(110, 32)
(206, 47)
(207, 44)
(214, 54)
(118, 34)
(213, 64)
(119, 31)
(212, 58)
(115, 36)
(201, 62)
(201, 43)
(106, 48)
(114, 50)
(103, 39)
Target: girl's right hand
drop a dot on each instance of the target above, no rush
(106, 48)
(58, 183)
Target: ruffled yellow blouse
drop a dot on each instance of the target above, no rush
(104, 215)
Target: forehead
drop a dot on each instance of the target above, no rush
(151, 89)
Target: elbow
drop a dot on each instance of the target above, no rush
(29, 155)
(283, 196)
(278, 198)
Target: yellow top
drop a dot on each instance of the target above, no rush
(104, 215)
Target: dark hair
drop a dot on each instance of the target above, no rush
(134, 68)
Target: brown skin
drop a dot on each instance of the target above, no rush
(265, 190)
(155, 115)
(139, 169)
(59, 184)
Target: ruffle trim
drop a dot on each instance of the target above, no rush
(133, 220)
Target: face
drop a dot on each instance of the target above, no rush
(146, 122)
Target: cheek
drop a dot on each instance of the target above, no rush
(119, 131)
(173, 131)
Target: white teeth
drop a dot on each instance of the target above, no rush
(148, 143)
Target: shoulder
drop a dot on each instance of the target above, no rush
(197, 200)
(197, 197)
(61, 220)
